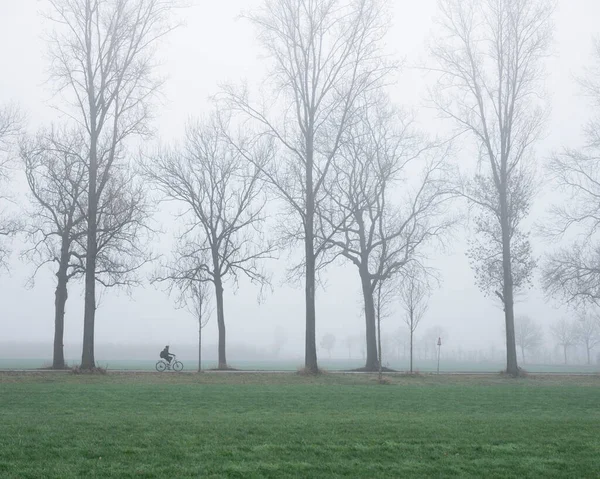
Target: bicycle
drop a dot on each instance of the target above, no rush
(163, 365)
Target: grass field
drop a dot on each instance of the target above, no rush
(123, 425)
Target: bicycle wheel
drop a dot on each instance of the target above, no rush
(177, 365)
(161, 366)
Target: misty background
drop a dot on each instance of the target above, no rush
(214, 47)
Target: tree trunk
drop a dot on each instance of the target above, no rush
(87, 358)
(371, 336)
(411, 348)
(512, 367)
(220, 321)
(200, 345)
(60, 300)
(523, 354)
(379, 337)
(310, 352)
(565, 352)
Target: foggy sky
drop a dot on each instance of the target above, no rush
(214, 47)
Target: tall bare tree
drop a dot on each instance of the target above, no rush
(363, 219)
(564, 333)
(55, 164)
(324, 55)
(587, 332)
(414, 297)
(10, 124)
(224, 203)
(102, 62)
(528, 334)
(489, 57)
(572, 271)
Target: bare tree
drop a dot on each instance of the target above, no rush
(414, 295)
(328, 343)
(55, 164)
(490, 63)
(349, 343)
(528, 334)
(10, 124)
(185, 274)
(325, 54)
(587, 332)
(572, 271)
(363, 218)
(279, 339)
(224, 203)
(198, 301)
(399, 340)
(101, 61)
(565, 335)
(385, 294)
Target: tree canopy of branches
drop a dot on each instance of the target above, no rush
(224, 209)
(490, 64)
(325, 54)
(55, 164)
(572, 272)
(360, 219)
(101, 61)
(10, 125)
(528, 334)
(414, 297)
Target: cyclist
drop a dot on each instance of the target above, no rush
(164, 354)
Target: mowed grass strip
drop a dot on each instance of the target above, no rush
(128, 425)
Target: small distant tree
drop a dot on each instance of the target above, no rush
(185, 274)
(587, 332)
(349, 343)
(328, 343)
(279, 339)
(385, 294)
(528, 334)
(565, 335)
(414, 295)
(399, 340)
(199, 304)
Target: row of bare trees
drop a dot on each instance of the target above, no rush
(355, 178)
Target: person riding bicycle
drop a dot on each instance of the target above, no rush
(164, 354)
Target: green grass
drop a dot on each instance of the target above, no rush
(260, 425)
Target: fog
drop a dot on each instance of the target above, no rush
(213, 47)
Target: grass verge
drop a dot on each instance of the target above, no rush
(60, 425)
